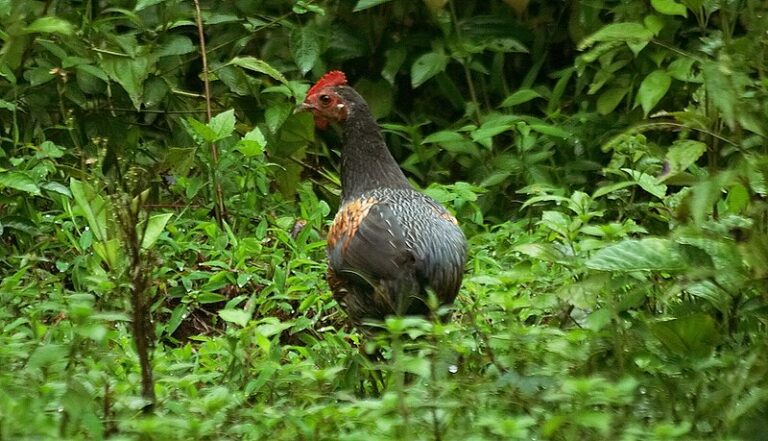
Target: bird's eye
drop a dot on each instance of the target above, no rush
(325, 99)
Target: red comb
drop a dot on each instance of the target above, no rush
(330, 79)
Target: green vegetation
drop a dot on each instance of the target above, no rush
(606, 159)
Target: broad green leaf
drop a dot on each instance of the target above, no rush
(681, 69)
(297, 129)
(720, 89)
(18, 223)
(47, 355)
(176, 45)
(155, 226)
(202, 130)
(129, 73)
(258, 65)
(669, 7)
(394, 60)
(236, 316)
(607, 189)
(362, 5)
(253, 143)
(7, 105)
(50, 25)
(276, 114)
(416, 365)
(305, 47)
(520, 97)
(650, 254)
(93, 206)
(557, 222)
(143, 4)
(493, 126)
(110, 252)
(652, 89)
(271, 327)
(647, 182)
(682, 155)
(426, 67)
(609, 99)
(627, 32)
(57, 187)
(443, 136)
(49, 150)
(549, 130)
(738, 198)
(691, 336)
(505, 45)
(544, 251)
(19, 181)
(93, 70)
(223, 124)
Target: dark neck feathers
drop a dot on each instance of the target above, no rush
(366, 162)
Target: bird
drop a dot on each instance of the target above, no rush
(389, 245)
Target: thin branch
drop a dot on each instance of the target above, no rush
(218, 192)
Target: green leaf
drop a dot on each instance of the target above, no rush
(19, 181)
(202, 130)
(652, 89)
(257, 65)
(443, 136)
(48, 355)
(681, 69)
(426, 67)
(549, 130)
(669, 7)
(253, 143)
(155, 226)
(609, 99)
(395, 58)
(93, 206)
(50, 25)
(110, 252)
(650, 254)
(627, 32)
(49, 150)
(7, 105)
(276, 114)
(691, 336)
(362, 5)
(57, 187)
(305, 47)
(682, 155)
(176, 45)
(236, 316)
(737, 199)
(647, 183)
(720, 89)
(223, 124)
(520, 97)
(143, 4)
(93, 70)
(130, 73)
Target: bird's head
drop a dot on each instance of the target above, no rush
(324, 100)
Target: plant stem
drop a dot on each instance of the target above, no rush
(218, 192)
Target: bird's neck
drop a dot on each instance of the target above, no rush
(366, 162)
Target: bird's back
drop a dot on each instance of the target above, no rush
(387, 247)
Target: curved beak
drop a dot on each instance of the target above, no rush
(303, 107)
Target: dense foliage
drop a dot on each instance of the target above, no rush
(160, 209)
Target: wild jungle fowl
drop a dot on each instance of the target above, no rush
(388, 244)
